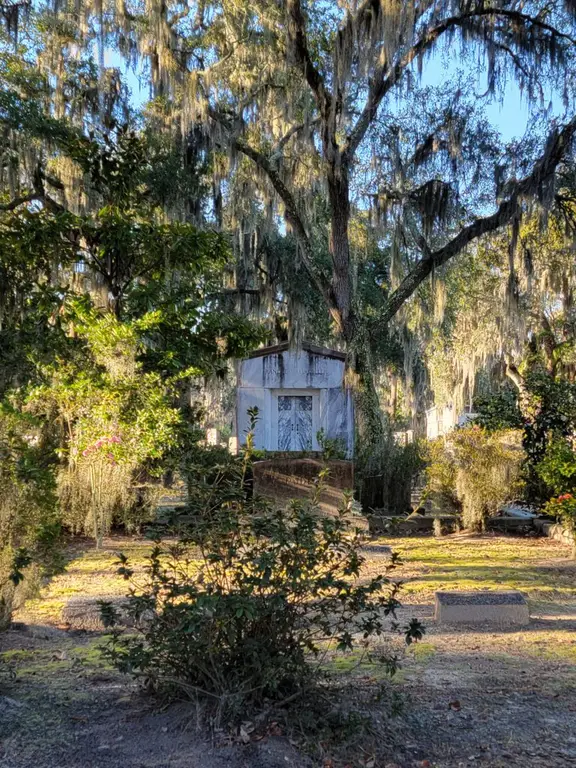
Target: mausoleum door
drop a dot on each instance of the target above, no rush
(294, 422)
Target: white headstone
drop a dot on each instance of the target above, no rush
(212, 437)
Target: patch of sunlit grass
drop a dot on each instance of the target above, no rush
(538, 567)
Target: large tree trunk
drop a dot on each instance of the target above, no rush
(371, 439)
(339, 199)
(360, 371)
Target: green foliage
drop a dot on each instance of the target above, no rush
(29, 526)
(250, 599)
(474, 470)
(440, 474)
(332, 448)
(120, 425)
(557, 470)
(564, 507)
(487, 471)
(549, 407)
(387, 485)
(107, 306)
(498, 411)
(558, 467)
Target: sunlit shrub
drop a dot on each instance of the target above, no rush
(563, 507)
(250, 599)
(29, 526)
(476, 471)
(558, 467)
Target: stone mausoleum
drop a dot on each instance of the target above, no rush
(298, 393)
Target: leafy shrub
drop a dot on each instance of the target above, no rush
(248, 597)
(120, 425)
(557, 470)
(475, 471)
(331, 447)
(440, 472)
(29, 526)
(549, 409)
(564, 508)
(558, 467)
(388, 483)
(487, 471)
(498, 411)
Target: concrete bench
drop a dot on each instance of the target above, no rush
(502, 608)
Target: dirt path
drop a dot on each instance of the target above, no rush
(495, 698)
(467, 697)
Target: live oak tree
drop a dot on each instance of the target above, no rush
(308, 93)
(300, 89)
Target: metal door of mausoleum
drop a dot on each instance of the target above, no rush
(294, 422)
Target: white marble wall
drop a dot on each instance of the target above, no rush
(292, 370)
(262, 379)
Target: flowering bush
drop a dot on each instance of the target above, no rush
(121, 427)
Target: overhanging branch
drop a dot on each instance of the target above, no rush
(293, 216)
(297, 35)
(386, 78)
(530, 186)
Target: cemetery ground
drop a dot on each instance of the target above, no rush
(463, 697)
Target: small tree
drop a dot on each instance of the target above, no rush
(487, 472)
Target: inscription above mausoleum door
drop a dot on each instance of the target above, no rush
(294, 422)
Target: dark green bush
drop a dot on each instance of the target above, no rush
(498, 411)
(557, 469)
(29, 526)
(250, 599)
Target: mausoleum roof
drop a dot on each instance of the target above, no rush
(306, 346)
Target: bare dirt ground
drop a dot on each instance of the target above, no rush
(463, 698)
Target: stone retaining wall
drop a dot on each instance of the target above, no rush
(554, 531)
(284, 478)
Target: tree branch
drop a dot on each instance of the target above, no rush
(281, 143)
(385, 78)
(297, 36)
(18, 201)
(530, 186)
(292, 215)
(291, 212)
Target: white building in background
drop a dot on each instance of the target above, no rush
(298, 393)
(439, 421)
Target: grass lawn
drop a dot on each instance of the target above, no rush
(540, 568)
(469, 696)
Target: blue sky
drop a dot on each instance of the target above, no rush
(509, 112)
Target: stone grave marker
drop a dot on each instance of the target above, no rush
(502, 608)
(378, 549)
(85, 613)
